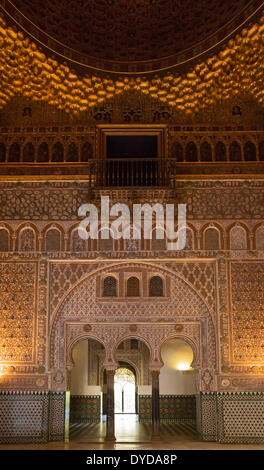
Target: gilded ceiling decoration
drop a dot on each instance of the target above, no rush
(131, 35)
(28, 71)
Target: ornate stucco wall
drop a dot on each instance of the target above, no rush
(213, 298)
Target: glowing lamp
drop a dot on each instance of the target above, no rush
(183, 366)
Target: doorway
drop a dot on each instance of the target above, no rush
(131, 160)
(125, 391)
(178, 385)
(132, 146)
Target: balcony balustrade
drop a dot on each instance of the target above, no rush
(136, 172)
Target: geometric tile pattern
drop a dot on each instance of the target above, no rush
(208, 416)
(241, 417)
(84, 408)
(232, 417)
(172, 407)
(27, 417)
(145, 407)
(179, 407)
(56, 416)
(24, 417)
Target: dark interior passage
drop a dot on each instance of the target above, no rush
(131, 160)
(132, 146)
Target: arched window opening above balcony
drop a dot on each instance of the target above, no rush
(191, 152)
(110, 287)
(53, 240)
(58, 153)
(133, 287)
(4, 240)
(156, 287)
(43, 153)
(212, 239)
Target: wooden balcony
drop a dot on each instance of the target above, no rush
(136, 172)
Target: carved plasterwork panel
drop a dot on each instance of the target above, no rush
(81, 314)
(63, 276)
(24, 382)
(247, 313)
(18, 287)
(153, 335)
(111, 335)
(200, 276)
(206, 200)
(223, 309)
(240, 382)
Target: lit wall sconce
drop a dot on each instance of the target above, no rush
(183, 366)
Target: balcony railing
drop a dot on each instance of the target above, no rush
(136, 172)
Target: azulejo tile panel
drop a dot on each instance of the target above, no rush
(232, 417)
(172, 407)
(24, 417)
(241, 417)
(208, 403)
(31, 417)
(56, 416)
(84, 408)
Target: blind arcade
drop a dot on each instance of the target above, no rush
(116, 222)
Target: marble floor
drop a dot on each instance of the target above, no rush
(132, 435)
(129, 430)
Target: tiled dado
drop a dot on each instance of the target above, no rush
(172, 407)
(85, 408)
(232, 417)
(29, 417)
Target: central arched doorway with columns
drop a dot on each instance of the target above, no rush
(125, 390)
(85, 313)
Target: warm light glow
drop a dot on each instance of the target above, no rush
(28, 72)
(177, 354)
(183, 366)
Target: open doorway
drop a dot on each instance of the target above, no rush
(86, 391)
(132, 146)
(177, 388)
(132, 382)
(125, 391)
(131, 160)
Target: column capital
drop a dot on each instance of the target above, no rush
(155, 366)
(110, 367)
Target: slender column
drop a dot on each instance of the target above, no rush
(13, 247)
(251, 241)
(155, 404)
(110, 405)
(199, 239)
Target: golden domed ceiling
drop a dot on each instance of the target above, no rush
(130, 35)
(28, 70)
